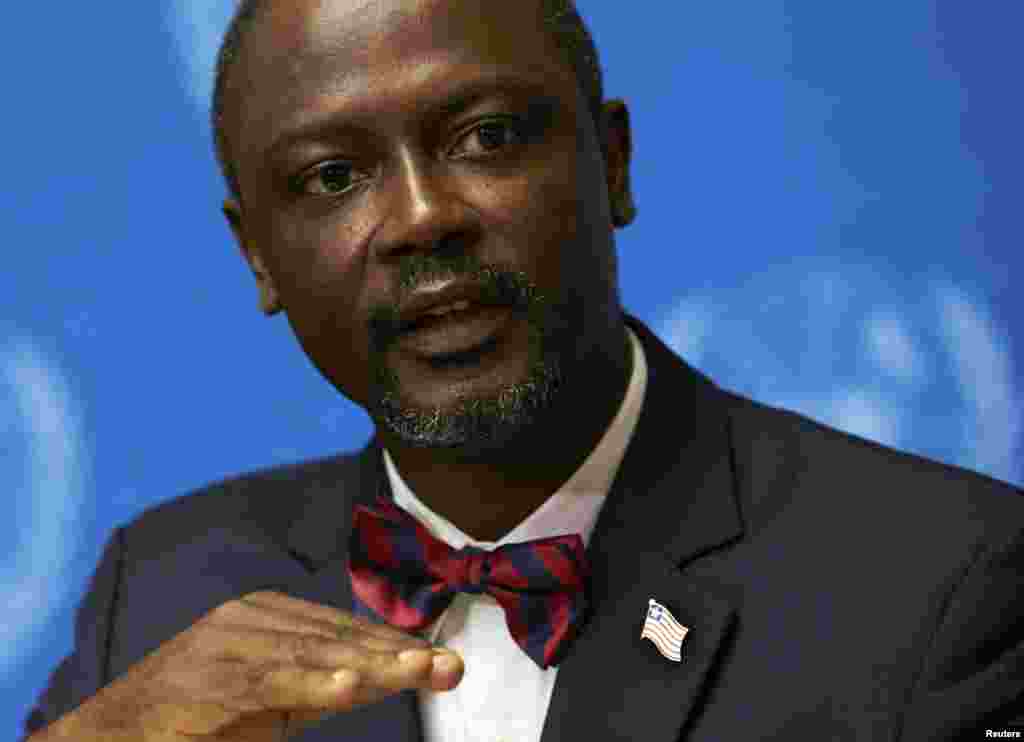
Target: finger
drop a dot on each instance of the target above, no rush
(442, 678)
(270, 648)
(422, 671)
(292, 688)
(245, 613)
(328, 617)
(311, 692)
(258, 646)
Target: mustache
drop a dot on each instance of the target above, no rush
(497, 284)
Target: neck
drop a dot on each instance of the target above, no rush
(488, 498)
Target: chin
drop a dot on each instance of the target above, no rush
(476, 427)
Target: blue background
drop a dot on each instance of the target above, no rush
(829, 221)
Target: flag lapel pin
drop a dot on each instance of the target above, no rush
(661, 627)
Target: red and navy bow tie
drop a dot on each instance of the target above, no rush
(409, 578)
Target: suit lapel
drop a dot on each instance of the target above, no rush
(319, 538)
(672, 500)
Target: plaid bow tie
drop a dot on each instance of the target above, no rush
(409, 578)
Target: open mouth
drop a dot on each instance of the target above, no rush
(440, 315)
(459, 334)
(464, 358)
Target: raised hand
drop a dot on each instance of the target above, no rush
(258, 668)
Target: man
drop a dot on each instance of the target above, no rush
(428, 190)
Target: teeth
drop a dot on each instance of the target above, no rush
(457, 306)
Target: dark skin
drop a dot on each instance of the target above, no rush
(519, 178)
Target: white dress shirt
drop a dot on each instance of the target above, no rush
(504, 696)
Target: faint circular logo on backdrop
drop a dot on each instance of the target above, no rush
(43, 471)
(915, 363)
(198, 27)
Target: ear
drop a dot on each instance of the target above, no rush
(269, 302)
(617, 142)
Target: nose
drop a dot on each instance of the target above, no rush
(425, 210)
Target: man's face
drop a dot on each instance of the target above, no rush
(385, 147)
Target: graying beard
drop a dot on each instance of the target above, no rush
(474, 424)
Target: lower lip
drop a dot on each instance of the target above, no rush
(458, 332)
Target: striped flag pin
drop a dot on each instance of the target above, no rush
(661, 627)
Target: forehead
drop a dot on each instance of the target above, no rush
(304, 55)
(364, 30)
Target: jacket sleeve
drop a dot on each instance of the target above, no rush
(83, 672)
(972, 678)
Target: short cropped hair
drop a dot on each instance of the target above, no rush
(560, 17)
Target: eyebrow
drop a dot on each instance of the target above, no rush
(451, 103)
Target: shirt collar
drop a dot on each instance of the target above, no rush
(576, 504)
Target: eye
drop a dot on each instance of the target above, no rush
(328, 179)
(487, 137)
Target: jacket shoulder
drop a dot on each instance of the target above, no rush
(265, 501)
(794, 453)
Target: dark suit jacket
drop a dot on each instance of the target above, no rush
(834, 588)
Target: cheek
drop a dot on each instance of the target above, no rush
(319, 275)
(536, 214)
(318, 257)
(558, 232)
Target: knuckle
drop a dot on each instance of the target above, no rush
(192, 645)
(306, 648)
(246, 689)
(257, 594)
(234, 607)
(203, 639)
(346, 633)
(258, 678)
(225, 611)
(382, 663)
